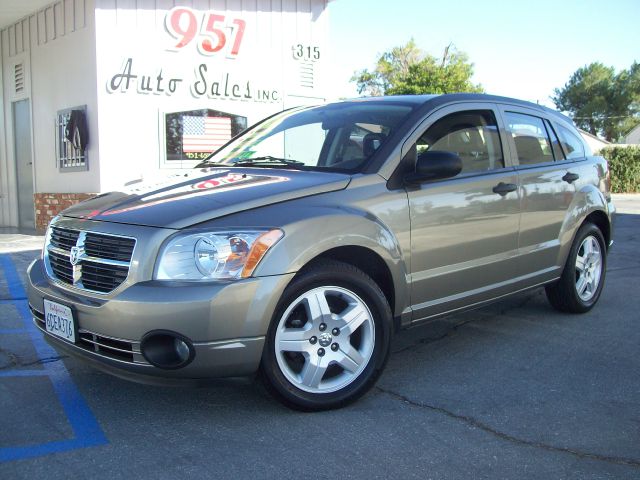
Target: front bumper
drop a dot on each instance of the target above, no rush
(226, 323)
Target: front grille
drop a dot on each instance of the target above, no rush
(114, 348)
(63, 238)
(61, 266)
(102, 277)
(101, 261)
(107, 246)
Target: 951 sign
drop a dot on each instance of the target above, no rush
(212, 32)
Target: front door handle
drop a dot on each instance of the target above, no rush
(570, 177)
(504, 188)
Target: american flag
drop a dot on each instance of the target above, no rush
(205, 134)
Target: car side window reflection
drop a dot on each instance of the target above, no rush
(472, 135)
(555, 143)
(530, 138)
(571, 144)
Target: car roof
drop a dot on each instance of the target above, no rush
(424, 102)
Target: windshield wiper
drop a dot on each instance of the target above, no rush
(209, 163)
(265, 161)
(268, 161)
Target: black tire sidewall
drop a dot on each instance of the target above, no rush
(569, 276)
(338, 275)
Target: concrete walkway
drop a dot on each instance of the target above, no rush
(627, 202)
(15, 240)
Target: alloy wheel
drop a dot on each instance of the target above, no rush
(324, 339)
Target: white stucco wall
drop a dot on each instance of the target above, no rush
(132, 38)
(56, 46)
(74, 53)
(5, 196)
(63, 76)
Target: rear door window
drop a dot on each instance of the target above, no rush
(530, 138)
(555, 143)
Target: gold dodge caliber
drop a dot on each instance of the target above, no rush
(299, 247)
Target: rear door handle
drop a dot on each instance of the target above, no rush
(504, 188)
(570, 177)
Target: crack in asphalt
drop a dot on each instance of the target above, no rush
(484, 427)
(42, 361)
(510, 438)
(14, 360)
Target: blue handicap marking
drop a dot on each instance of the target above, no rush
(87, 431)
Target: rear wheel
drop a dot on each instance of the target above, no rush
(580, 286)
(329, 338)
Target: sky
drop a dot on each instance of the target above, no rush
(521, 49)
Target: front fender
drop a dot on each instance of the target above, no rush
(328, 228)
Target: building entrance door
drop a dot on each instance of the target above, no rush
(24, 162)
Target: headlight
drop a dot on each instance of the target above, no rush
(215, 255)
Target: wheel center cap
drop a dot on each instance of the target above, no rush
(325, 339)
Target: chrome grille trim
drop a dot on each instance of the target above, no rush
(103, 344)
(98, 344)
(89, 258)
(101, 269)
(94, 341)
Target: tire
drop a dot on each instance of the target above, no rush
(329, 338)
(582, 280)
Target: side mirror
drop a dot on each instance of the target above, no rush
(435, 165)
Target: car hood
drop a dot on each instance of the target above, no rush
(186, 199)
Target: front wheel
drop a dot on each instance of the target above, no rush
(329, 339)
(582, 280)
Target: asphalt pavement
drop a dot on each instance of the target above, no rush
(511, 391)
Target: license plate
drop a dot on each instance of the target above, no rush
(59, 321)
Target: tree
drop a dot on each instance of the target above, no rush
(601, 101)
(407, 70)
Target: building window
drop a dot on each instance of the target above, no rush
(72, 137)
(192, 135)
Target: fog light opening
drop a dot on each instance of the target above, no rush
(167, 350)
(182, 349)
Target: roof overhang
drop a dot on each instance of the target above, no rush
(13, 10)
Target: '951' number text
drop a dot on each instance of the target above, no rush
(182, 24)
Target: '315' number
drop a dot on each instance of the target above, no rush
(306, 52)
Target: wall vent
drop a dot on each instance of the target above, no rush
(18, 77)
(306, 74)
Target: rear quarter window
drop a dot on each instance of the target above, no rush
(572, 145)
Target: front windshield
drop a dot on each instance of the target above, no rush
(341, 136)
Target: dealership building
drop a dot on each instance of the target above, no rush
(98, 94)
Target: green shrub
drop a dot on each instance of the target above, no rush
(624, 164)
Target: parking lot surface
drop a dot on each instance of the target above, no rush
(512, 390)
